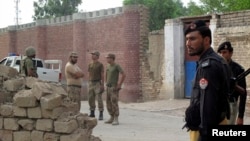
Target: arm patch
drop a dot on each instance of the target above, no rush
(205, 63)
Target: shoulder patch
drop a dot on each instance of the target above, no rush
(205, 63)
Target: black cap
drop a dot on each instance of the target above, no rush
(225, 45)
(195, 25)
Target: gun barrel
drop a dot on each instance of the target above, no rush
(242, 75)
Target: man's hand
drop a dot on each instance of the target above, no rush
(102, 88)
(118, 87)
(239, 121)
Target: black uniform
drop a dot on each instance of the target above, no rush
(210, 91)
(237, 69)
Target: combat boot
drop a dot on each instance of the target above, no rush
(92, 113)
(110, 120)
(115, 122)
(101, 115)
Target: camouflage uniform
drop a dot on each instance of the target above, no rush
(95, 70)
(74, 92)
(112, 73)
(27, 63)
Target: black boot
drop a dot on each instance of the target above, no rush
(101, 115)
(92, 113)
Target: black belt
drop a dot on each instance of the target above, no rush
(95, 80)
(110, 85)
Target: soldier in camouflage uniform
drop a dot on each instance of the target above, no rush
(113, 87)
(96, 85)
(28, 68)
(74, 77)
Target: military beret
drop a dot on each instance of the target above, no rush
(225, 45)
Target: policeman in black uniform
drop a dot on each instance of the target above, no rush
(238, 90)
(208, 104)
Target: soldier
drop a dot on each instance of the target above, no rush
(239, 91)
(113, 84)
(208, 104)
(74, 80)
(28, 67)
(96, 85)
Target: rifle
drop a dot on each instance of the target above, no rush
(240, 76)
(234, 80)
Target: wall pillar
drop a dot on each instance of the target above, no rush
(214, 22)
(173, 82)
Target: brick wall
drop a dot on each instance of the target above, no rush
(118, 30)
(235, 27)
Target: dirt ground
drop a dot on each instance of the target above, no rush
(160, 120)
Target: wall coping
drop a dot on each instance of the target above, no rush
(66, 19)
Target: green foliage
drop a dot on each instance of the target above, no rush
(236, 5)
(55, 8)
(160, 10)
(194, 9)
(217, 6)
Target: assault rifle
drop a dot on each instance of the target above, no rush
(234, 80)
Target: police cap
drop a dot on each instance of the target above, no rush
(225, 45)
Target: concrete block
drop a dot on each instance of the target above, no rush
(70, 105)
(90, 122)
(40, 89)
(30, 81)
(58, 89)
(34, 112)
(14, 84)
(46, 113)
(19, 112)
(44, 124)
(79, 135)
(65, 126)
(1, 123)
(25, 98)
(37, 135)
(26, 124)
(8, 72)
(51, 137)
(81, 120)
(56, 112)
(6, 110)
(51, 101)
(21, 136)
(10, 124)
(6, 135)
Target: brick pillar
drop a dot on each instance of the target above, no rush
(41, 44)
(134, 35)
(79, 45)
(12, 40)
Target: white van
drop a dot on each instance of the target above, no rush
(50, 73)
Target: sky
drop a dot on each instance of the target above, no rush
(25, 8)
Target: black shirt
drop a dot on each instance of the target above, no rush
(237, 69)
(211, 88)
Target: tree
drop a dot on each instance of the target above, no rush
(236, 5)
(194, 9)
(55, 8)
(160, 10)
(217, 6)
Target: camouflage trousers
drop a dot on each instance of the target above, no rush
(74, 93)
(112, 101)
(93, 92)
